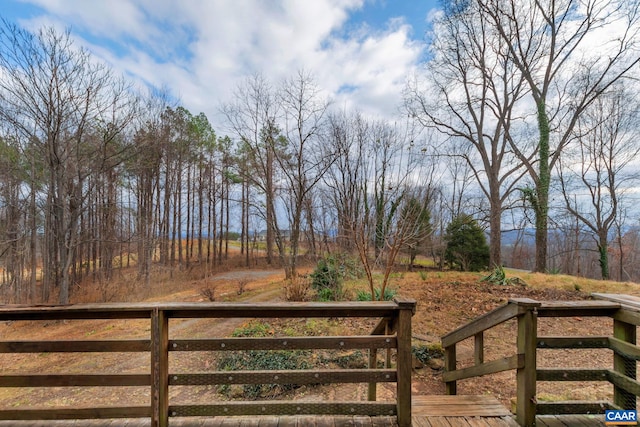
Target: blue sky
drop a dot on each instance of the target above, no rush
(359, 51)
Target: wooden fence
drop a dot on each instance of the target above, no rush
(393, 331)
(622, 343)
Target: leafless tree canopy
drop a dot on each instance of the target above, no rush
(523, 116)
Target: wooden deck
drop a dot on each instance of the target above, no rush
(324, 421)
(428, 411)
(459, 411)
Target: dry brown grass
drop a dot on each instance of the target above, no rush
(445, 301)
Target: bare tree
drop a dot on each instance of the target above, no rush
(597, 170)
(252, 117)
(389, 203)
(469, 96)
(569, 53)
(71, 106)
(348, 135)
(305, 158)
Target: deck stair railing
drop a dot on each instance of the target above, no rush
(393, 333)
(622, 343)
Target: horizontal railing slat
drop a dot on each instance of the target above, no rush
(624, 348)
(64, 380)
(75, 413)
(289, 310)
(628, 384)
(201, 310)
(573, 342)
(563, 374)
(122, 346)
(482, 323)
(286, 377)
(577, 308)
(284, 343)
(627, 316)
(572, 407)
(284, 408)
(500, 365)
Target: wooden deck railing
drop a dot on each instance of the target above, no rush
(393, 332)
(526, 311)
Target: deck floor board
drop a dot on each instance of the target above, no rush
(324, 421)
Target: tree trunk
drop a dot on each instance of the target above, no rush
(541, 205)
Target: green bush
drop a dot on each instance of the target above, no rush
(467, 247)
(326, 294)
(255, 360)
(329, 275)
(499, 277)
(424, 353)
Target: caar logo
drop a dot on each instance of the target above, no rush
(621, 418)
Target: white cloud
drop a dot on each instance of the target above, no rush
(201, 49)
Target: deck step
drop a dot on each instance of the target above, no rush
(458, 406)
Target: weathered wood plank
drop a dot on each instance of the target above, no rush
(526, 373)
(325, 376)
(403, 363)
(624, 349)
(450, 365)
(74, 413)
(562, 374)
(627, 384)
(623, 365)
(201, 310)
(279, 309)
(159, 368)
(249, 422)
(383, 421)
(461, 405)
(584, 308)
(622, 299)
(500, 365)
(549, 421)
(572, 407)
(482, 323)
(122, 346)
(573, 342)
(419, 422)
(288, 421)
(67, 380)
(284, 343)
(325, 422)
(272, 421)
(284, 408)
(628, 316)
(444, 422)
(580, 420)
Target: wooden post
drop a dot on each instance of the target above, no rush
(387, 359)
(478, 352)
(450, 360)
(526, 376)
(627, 367)
(403, 362)
(373, 364)
(159, 368)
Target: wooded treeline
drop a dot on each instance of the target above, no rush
(512, 120)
